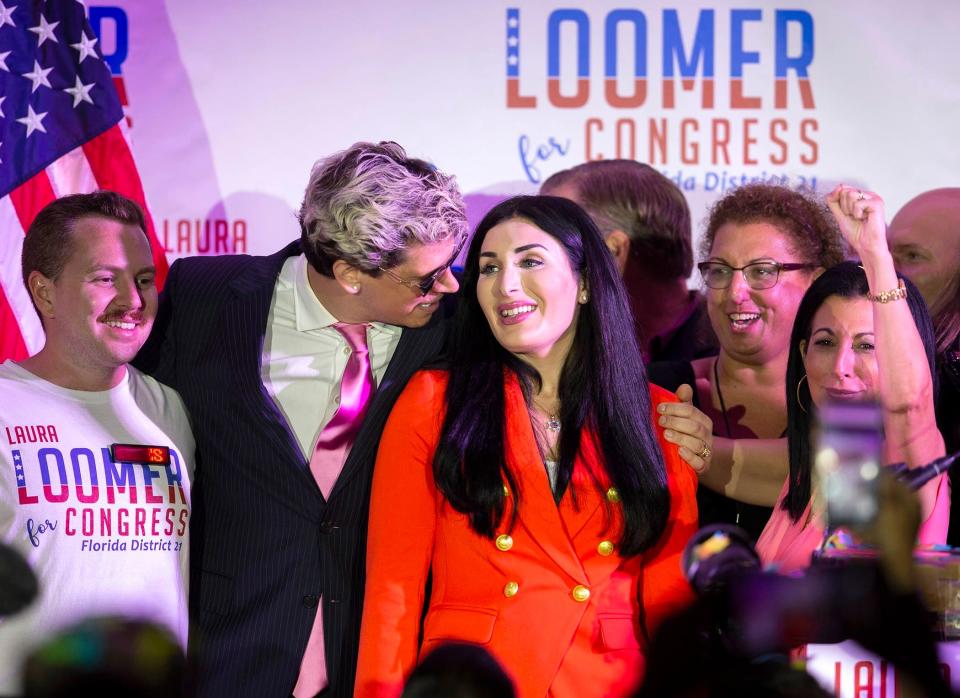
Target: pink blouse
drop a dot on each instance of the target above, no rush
(785, 546)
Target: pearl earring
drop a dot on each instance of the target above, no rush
(583, 296)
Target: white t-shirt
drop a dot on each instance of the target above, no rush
(103, 538)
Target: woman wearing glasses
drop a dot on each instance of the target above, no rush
(762, 248)
(529, 480)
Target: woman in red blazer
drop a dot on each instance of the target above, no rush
(530, 477)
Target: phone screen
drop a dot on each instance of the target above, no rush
(849, 443)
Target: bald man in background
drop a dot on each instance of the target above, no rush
(924, 238)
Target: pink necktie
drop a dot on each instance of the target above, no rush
(356, 386)
(331, 452)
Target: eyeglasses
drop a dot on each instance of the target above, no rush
(759, 275)
(423, 285)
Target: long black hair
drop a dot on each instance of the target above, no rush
(847, 280)
(603, 387)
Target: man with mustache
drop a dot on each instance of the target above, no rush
(96, 458)
(290, 365)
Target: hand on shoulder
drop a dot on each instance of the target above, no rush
(685, 425)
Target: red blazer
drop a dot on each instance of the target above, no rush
(555, 603)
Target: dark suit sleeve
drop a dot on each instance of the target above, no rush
(158, 356)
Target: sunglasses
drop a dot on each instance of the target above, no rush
(423, 285)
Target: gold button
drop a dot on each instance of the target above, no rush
(580, 593)
(346, 351)
(504, 542)
(506, 491)
(511, 589)
(613, 495)
(605, 548)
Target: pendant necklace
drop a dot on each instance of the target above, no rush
(551, 421)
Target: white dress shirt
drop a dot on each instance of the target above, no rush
(304, 356)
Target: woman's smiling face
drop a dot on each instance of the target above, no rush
(527, 290)
(754, 326)
(839, 359)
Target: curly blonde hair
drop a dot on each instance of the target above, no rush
(367, 204)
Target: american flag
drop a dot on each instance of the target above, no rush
(62, 131)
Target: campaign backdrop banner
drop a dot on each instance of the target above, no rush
(230, 103)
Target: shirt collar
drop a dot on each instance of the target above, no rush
(309, 312)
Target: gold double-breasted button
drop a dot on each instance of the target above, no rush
(510, 589)
(580, 593)
(506, 491)
(605, 548)
(504, 542)
(613, 495)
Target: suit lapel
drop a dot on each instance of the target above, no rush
(245, 322)
(538, 513)
(414, 348)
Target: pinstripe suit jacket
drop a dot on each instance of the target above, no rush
(265, 545)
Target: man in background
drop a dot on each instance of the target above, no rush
(104, 530)
(924, 239)
(645, 221)
(290, 365)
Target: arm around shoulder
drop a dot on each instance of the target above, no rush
(748, 470)
(157, 356)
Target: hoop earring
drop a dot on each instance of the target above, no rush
(799, 402)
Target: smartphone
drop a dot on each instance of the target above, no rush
(848, 440)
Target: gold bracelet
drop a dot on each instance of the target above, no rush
(897, 294)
